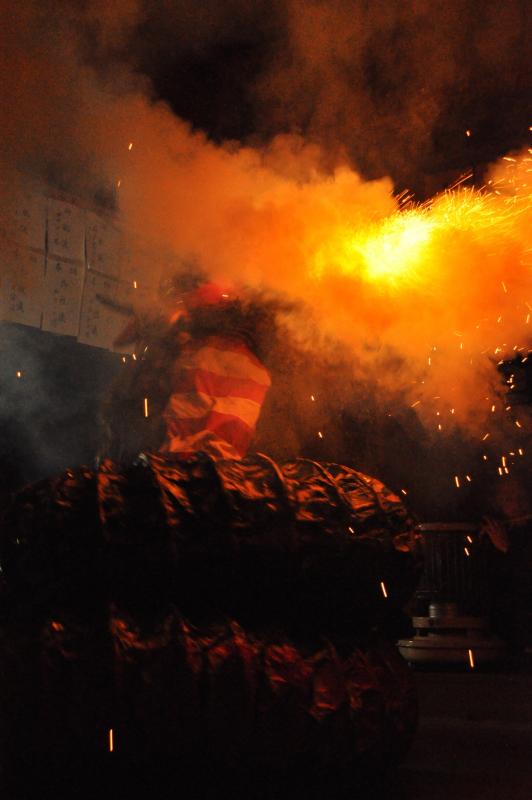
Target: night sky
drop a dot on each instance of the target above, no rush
(374, 81)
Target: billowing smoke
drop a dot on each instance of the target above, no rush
(424, 300)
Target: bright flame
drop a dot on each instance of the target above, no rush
(388, 252)
(394, 250)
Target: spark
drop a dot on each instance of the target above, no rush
(404, 491)
(351, 530)
(19, 374)
(383, 589)
(134, 284)
(320, 434)
(485, 437)
(493, 408)
(521, 451)
(504, 287)
(130, 146)
(471, 659)
(415, 404)
(468, 478)
(312, 398)
(468, 133)
(134, 356)
(466, 551)
(503, 460)
(118, 183)
(462, 179)
(111, 740)
(146, 413)
(469, 539)
(485, 457)
(457, 481)
(518, 423)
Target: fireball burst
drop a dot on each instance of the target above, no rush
(446, 284)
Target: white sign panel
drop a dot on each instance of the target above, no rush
(63, 287)
(105, 245)
(100, 322)
(66, 230)
(22, 285)
(23, 219)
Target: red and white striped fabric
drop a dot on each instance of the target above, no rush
(218, 390)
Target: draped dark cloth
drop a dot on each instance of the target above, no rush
(235, 612)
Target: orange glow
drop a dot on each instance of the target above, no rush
(389, 252)
(471, 659)
(111, 740)
(383, 589)
(146, 412)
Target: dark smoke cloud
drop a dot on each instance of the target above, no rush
(383, 80)
(390, 86)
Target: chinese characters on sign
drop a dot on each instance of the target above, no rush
(57, 260)
(63, 287)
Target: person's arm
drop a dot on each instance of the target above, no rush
(497, 533)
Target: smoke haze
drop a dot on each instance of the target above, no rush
(341, 96)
